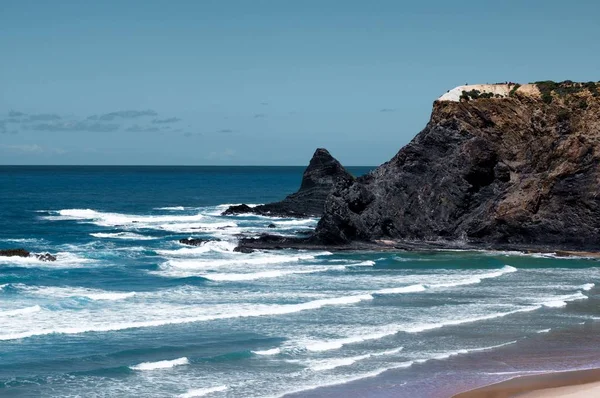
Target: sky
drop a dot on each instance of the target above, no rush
(262, 82)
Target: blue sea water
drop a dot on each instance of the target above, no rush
(128, 311)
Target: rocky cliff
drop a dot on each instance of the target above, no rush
(319, 178)
(517, 167)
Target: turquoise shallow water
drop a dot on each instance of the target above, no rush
(128, 311)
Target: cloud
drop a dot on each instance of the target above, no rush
(43, 117)
(167, 120)
(259, 115)
(225, 131)
(387, 110)
(141, 129)
(76, 126)
(123, 115)
(32, 149)
(15, 114)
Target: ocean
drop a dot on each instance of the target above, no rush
(128, 311)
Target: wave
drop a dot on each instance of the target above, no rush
(253, 259)
(475, 279)
(63, 260)
(200, 392)
(273, 351)
(171, 208)
(160, 364)
(350, 379)
(448, 354)
(21, 311)
(122, 235)
(438, 325)
(544, 331)
(221, 277)
(260, 310)
(403, 289)
(65, 292)
(219, 246)
(587, 286)
(367, 263)
(561, 301)
(329, 364)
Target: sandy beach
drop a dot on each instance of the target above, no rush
(573, 384)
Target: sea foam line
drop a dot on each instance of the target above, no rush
(160, 364)
(21, 311)
(333, 363)
(200, 392)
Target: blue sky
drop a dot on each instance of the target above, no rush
(262, 82)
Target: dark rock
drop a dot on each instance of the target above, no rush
(243, 249)
(493, 172)
(193, 241)
(45, 257)
(14, 253)
(323, 173)
(271, 226)
(238, 209)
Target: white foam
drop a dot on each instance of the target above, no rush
(403, 289)
(345, 380)
(122, 235)
(21, 311)
(561, 301)
(448, 354)
(63, 260)
(587, 286)
(255, 311)
(431, 326)
(367, 263)
(475, 279)
(200, 392)
(237, 260)
(273, 351)
(318, 346)
(160, 364)
(221, 277)
(195, 251)
(63, 292)
(332, 363)
(544, 331)
(171, 208)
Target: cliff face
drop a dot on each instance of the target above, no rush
(522, 169)
(319, 178)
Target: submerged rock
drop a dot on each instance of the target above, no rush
(14, 253)
(323, 173)
(520, 170)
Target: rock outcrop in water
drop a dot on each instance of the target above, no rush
(14, 253)
(24, 253)
(319, 179)
(516, 169)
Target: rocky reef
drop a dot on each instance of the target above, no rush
(517, 169)
(25, 253)
(319, 179)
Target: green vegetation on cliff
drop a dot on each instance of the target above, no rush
(562, 89)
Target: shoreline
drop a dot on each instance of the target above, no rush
(571, 383)
(279, 242)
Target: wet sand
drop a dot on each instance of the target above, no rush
(573, 384)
